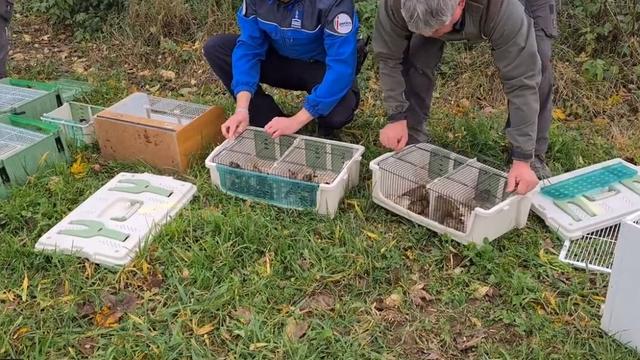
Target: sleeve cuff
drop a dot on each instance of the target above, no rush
(520, 155)
(239, 89)
(397, 117)
(313, 110)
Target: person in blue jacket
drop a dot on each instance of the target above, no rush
(303, 45)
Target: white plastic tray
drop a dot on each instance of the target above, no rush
(480, 226)
(138, 216)
(328, 195)
(621, 315)
(609, 211)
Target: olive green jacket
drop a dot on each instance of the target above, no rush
(511, 35)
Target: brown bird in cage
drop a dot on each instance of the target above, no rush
(420, 207)
(234, 165)
(256, 167)
(417, 193)
(450, 213)
(309, 176)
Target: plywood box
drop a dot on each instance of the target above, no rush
(163, 133)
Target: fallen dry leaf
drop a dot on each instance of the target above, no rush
(110, 300)
(22, 331)
(296, 329)
(129, 303)
(185, 274)
(108, 317)
(419, 296)
(154, 281)
(433, 355)
(320, 301)
(87, 346)
(25, 287)
(203, 330)
(243, 314)
(186, 91)
(97, 168)
(79, 167)
(558, 114)
(144, 73)
(86, 309)
(167, 74)
(485, 291)
(463, 343)
(256, 346)
(393, 301)
(304, 264)
(372, 236)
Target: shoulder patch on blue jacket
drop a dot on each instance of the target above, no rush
(339, 18)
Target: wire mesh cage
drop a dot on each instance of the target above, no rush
(440, 185)
(27, 101)
(290, 171)
(157, 108)
(447, 192)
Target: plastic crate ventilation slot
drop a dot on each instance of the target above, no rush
(440, 185)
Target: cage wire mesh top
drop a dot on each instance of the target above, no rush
(290, 157)
(593, 251)
(11, 96)
(13, 139)
(181, 110)
(440, 185)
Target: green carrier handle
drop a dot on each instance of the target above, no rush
(24, 122)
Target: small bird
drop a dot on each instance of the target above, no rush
(419, 192)
(420, 207)
(234, 165)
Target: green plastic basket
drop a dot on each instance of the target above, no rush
(26, 146)
(76, 121)
(28, 98)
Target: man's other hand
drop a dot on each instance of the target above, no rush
(521, 178)
(394, 136)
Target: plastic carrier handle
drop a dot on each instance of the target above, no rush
(24, 122)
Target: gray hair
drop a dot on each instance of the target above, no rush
(425, 16)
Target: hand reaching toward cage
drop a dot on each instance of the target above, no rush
(521, 178)
(236, 124)
(280, 125)
(394, 136)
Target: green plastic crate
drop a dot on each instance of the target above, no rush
(27, 145)
(31, 99)
(76, 121)
(72, 89)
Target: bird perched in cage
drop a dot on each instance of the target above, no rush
(450, 213)
(416, 200)
(234, 165)
(417, 193)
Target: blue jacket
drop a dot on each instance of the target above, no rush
(320, 30)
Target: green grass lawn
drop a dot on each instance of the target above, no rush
(240, 280)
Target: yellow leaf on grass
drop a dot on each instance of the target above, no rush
(550, 299)
(355, 205)
(600, 121)
(203, 330)
(598, 298)
(7, 296)
(256, 346)
(107, 317)
(79, 167)
(559, 114)
(614, 100)
(21, 332)
(371, 235)
(25, 287)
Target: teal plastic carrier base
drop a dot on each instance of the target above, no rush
(297, 172)
(585, 208)
(25, 147)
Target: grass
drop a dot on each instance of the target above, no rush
(511, 299)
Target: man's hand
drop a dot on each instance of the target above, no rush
(236, 124)
(521, 178)
(280, 126)
(394, 136)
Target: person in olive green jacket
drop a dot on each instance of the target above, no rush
(408, 42)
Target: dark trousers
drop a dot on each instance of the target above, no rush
(6, 9)
(424, 54)
(281, 72)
